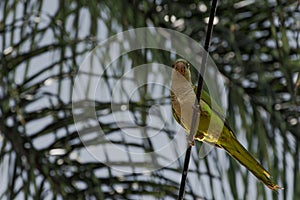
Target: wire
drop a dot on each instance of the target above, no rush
(198, 95)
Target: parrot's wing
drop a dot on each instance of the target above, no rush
(214, 107)
(228, 142)
(212, 104)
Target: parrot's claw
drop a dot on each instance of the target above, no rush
(191, 141)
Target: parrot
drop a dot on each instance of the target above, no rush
(212, 125)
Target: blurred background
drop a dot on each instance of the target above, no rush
(255, 45)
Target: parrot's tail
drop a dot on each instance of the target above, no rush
(229, 142)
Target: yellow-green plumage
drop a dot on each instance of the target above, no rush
(212, 128)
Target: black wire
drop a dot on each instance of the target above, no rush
(184, 172)
(198, 95)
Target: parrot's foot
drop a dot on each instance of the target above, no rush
(192, 143)
(190, 139)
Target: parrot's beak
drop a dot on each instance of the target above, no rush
(181, 67)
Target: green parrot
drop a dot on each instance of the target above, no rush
(212, 127)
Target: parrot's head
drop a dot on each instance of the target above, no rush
(183, 68)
